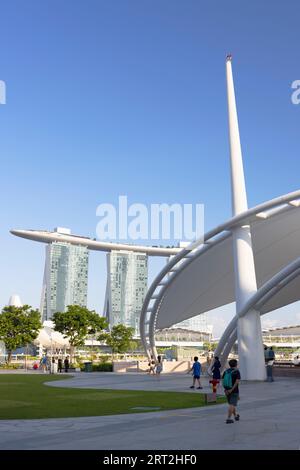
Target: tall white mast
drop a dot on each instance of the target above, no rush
(250, 345)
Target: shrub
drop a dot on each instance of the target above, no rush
(11, 366)
(104, 359)
(103, 367)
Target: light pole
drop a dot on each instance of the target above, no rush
(26, 350)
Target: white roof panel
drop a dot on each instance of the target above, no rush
(208, 281)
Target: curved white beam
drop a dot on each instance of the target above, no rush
(144, 322)
(272, 287)
(169, 281)
(190, 253)
(250, 215)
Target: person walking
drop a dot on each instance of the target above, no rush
(269, 363)
(43, 363)
(66, 364)
(216, 371)
(231, 379)
(53, 366)
(196, 370)
(151, 365)
(216, 368)
(158, 368)
(59, 365)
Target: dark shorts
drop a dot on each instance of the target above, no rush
(196, 376)
(233, 399)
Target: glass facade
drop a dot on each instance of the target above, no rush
(126, 288)
(65, 278)
(197, 323)
(181, 335)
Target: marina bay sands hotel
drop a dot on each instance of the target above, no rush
(65, 279)
(252, 259)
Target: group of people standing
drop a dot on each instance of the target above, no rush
(231, 378)
(196, 370)
(155, 367)
(50, 365)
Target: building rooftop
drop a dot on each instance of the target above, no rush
(59, 234)
(283, 330)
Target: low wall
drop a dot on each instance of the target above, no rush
(142, 366)
(168, 366)
(125, 366)
(291, 371)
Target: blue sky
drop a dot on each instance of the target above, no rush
(128, 97)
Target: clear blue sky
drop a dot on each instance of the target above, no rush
(128, 97)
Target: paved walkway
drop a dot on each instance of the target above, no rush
(269, 420)
(131, 381)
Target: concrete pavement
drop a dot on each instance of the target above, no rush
(269, 420)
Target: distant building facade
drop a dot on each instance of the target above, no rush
(181, 336)
(198, 323)
(282, 337)
(65, 277)
(127, 280)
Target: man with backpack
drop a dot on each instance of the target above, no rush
(231, 379)
(269, 363)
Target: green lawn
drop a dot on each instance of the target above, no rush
(26, 397)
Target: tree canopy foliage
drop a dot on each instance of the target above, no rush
(18, 327)
(119, 339)
(78, 323)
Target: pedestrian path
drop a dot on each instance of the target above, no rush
(269, 420)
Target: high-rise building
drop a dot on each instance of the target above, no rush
(65, 276)
(127, 278)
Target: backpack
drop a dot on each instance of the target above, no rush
(227, 379)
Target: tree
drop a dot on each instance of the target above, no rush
(76, 324)
(209, 346)
(119, 338)
(18, 327)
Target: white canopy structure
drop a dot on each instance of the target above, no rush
(48, 338)
(252, 259)
(201, 278)
(207, 281)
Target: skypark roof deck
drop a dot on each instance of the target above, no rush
(44, 236)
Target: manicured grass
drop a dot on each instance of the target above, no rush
(26, 397)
